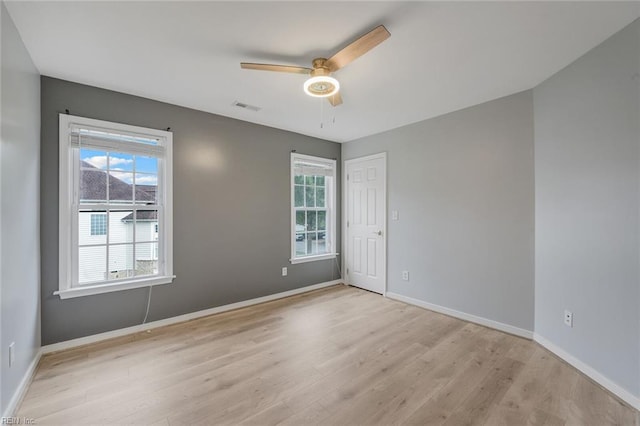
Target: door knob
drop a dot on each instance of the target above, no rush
(377, 232)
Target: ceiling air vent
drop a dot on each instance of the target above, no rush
(246, 106)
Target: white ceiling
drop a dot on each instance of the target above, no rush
(441, 57)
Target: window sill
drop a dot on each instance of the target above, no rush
(108, 288)
(313, 258)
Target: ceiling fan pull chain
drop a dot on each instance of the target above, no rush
(321, 114)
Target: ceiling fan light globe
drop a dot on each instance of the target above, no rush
(321, 86)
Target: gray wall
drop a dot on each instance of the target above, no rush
(463, 186)
(20, 213)
(231, 212)
(587, 169)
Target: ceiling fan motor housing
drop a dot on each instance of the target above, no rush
(321, 84)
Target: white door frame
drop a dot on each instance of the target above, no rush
(345, 214)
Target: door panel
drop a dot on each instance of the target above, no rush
(357, 255)
(371, 257)
(366, 223)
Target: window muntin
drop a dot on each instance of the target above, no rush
(116, 190)
(313, 186)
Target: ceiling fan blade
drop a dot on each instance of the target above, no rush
(270, 67)
(358, 48)
(335, 100)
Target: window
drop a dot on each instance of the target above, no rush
(115, 207)
(313, 215)
(99, 224)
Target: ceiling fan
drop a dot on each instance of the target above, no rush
(321, 84)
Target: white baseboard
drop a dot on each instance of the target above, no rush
(590, 372)
(463, 315)
(20, 392)
(81, 341)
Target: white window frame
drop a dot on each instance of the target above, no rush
(68, 285)
(331, 209)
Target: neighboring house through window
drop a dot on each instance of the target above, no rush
(313, 213)
(115, 207)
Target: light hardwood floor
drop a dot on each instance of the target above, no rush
(337, 356)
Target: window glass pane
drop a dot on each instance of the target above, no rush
(146, 259)
(322, 220)
(301, 244)
(146, 179)
(93, 186)
(93, 179)
(92, 227)
(93, 159)
(92, 264)
(311, 221)
(299, 196)
(146, 225)
(310, 196)
(309, 180)
(319, 180)
(298, 179)
(120, 161)
(322, 235)
(146, 188)
(120, 261)
(301, 221)
(320, 199)
(312, 245)
(120, 226)
(120, 187)
(321, 242)
(146, 164)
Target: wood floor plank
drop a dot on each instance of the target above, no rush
(335, 356)
(413, 381)
(477, 407)
(466, 381)
(520, 400)
(590, 406)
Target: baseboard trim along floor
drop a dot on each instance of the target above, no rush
(590, 372)
(463, 315)
(19, 394)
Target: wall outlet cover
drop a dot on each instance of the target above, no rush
(568, 318)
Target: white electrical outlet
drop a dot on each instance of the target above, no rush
(12, 356)
(568, 318)
(284, 271)
(405, 275)
(395, 215)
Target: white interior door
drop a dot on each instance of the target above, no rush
(366, 202)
